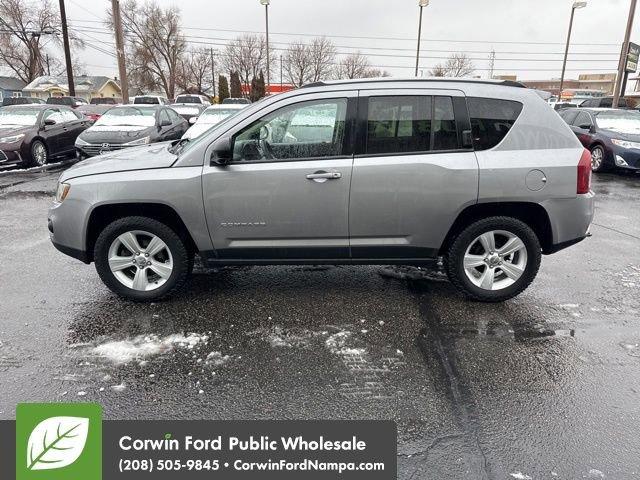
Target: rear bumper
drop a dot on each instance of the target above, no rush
(570, 220)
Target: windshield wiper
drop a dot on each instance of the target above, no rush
(177, 146)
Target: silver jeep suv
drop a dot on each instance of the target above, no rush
(480, 173)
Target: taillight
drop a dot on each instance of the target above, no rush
(584, 172)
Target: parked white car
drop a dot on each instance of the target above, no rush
(211, 117)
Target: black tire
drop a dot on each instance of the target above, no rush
(181, 257)
(454, 258)
(34, 160)
(603, 165)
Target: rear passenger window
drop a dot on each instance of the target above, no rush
(406, 124)
(491, 120)
(399, 124)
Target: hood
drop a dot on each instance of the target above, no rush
(187, 108)
(6, 131)
(630, 137)
(146, 157)
(115, 133)
(197, 130)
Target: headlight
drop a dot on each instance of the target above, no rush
(12, 138)
(140, 141)
(626, 144)
(62, 192)
(80, 142)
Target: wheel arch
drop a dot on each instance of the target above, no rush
(104, 214)
(533, 214)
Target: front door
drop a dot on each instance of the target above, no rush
(285, 194)
(412, 172)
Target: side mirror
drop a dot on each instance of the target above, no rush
(586, 126)
(49, 121)
(222, 152)
(193, 120)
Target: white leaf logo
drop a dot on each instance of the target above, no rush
(56, 442)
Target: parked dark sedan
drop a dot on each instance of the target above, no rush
(611, 135)
(31, 135)
(129, 126)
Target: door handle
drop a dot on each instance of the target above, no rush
(323, 176)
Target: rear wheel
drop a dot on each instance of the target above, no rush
(494, 259)
(141, 259)
(597, 159)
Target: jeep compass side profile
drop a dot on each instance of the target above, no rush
(481, 173)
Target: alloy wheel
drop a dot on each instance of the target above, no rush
(597, 156)
(39, 153)
(140, 260)
(495, 260)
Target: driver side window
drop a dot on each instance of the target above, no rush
(310, 129)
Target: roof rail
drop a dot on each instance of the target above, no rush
(504, 83)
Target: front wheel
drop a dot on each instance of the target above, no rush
(494, 259)
(39, 154)
(597, 159)
(141, 259)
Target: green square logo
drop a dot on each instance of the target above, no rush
(58, 441)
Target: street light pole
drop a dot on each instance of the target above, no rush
(617, 92)
(421, 4)
(266, 19)
(574, 7)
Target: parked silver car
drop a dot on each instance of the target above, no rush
(481, 173)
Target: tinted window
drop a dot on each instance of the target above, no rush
(164, 116)
(491, 120)
(188, 99)
(399, 124)
(569, 115)
(445, 135)
(607, 102)
(146, 100)
(582, 118)
(304, 130)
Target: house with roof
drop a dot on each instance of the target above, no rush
(10, 87)
(87, 87)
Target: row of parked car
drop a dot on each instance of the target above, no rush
(36, 133)
(612, 135)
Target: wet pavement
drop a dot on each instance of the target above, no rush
(544, 386)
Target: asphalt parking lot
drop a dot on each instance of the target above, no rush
(543, 386)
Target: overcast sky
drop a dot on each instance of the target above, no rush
(527, 35)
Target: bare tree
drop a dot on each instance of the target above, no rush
(194, 73)
(155, 45)
(25, 29)
(306, 63)
(357, 65)
(457, 65)
(246, 55)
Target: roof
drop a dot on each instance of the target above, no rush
(11, 83)
(86, 83)
(506, 83)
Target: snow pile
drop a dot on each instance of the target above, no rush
(217, 359)
(279, 337)
(337, 344)
(144, 346)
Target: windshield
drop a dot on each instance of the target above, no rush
(213, 116)
(619, 121)
(128, 116)
(22, 117)
(146, 100)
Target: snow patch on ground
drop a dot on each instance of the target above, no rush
(521, 476)
(145, 346)
(279, 337)
(217, 359)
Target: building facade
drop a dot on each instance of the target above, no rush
(86, 87)
(10, 87)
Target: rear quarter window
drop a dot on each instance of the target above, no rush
(491, 120)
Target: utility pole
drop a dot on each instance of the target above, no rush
(492, 63)
(280, 73)
(122, 66)
(67, 52)
(622, 66)
(213, 72)
(266, 19)
(574, 7)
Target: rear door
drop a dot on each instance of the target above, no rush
(412, 172)
(581, 126)
(285, 194)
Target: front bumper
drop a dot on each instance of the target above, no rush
(91, 150)
(10, 157)
(626, 158)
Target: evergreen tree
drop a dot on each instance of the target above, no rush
(236, 86)
(223, 88)
(262, 89)
(255, 90)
